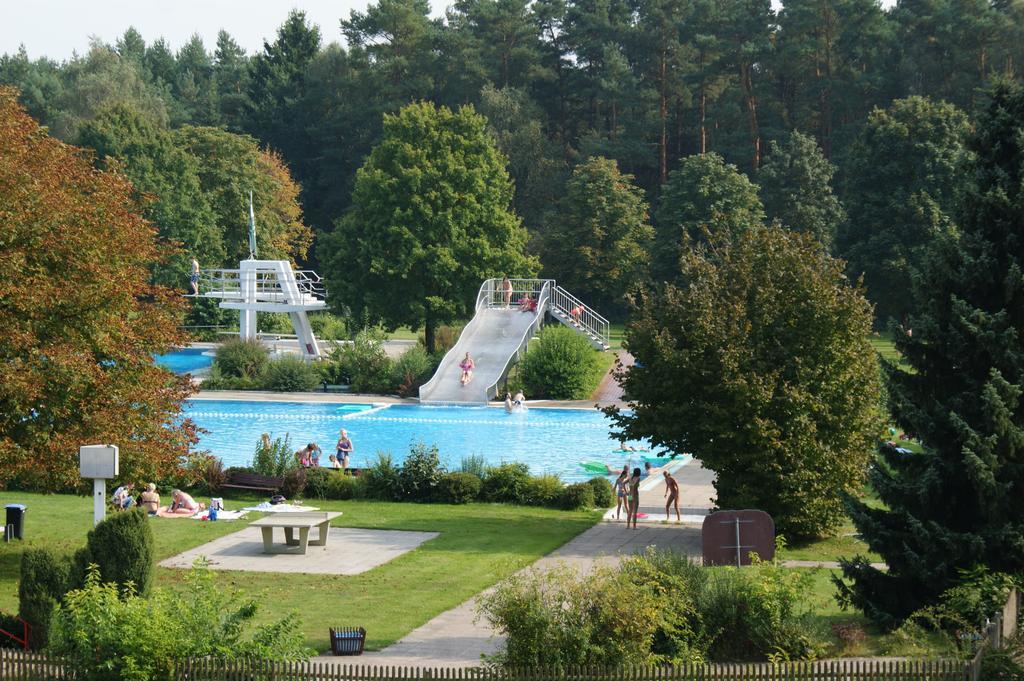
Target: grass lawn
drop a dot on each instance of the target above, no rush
(479, 545)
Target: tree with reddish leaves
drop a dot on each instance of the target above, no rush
(78, 318)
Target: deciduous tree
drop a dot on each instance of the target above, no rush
(796, 187)
(78, 319)
(759, 365)
(598, 239)
(902, 177)
(430, 221)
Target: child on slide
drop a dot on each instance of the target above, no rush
(467, 369)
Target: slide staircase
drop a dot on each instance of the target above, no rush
(499, 333)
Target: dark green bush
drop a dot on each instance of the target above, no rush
(290, 374)
(459, 488)
(575, 496)
(421, 473)
(543, 490)
(411, 370)
(231, 470)
(294, 483)
(604, 495)
(507, 482)
(122, 547)
(560, 365)
(317, 481)
(381, 479)
(341, 486)
(237, 358)
(43, 583)
(362, 364)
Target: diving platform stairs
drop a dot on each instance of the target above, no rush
(499, 333)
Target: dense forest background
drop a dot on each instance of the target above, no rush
(643, 82)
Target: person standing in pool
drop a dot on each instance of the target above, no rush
(672, 492)
(634, 498)
(344, 449)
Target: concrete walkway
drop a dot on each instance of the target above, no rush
(456, 639)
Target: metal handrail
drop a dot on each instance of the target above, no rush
(543, 298)
(485, 294)
(585, 318)
(228, 281)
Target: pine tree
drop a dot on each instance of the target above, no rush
(957, 504)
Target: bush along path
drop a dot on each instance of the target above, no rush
(457, 638)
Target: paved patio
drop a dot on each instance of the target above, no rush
(349, 551)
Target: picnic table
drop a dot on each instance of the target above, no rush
(302, 521)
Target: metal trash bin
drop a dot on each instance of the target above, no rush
(15, 522)
(347, 640)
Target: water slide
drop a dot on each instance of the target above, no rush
(493, 338)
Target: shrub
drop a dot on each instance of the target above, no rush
(411, 370)
(328, 326)
(543, 490)
(560, 365)
(317, 480)
(445, 338)
(216, 380)
(105, 632)
(759, 612)
(507, 482)
(459, 488)
(1001, 665)
(44, 580)
(475, 464)
(604, 495)
(362, 364)
(420, 474)
(381, 479)
(241, 358)
(558, 618)
(294, 483)
(290, 374)
(274, 458)
(121, 547)
(576, 496)
(341, 486)
(213, 474)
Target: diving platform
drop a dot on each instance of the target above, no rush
(268, 286)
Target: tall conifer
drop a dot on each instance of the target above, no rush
(959, 503)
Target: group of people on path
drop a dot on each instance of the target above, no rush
(309, 456)
(627, 493)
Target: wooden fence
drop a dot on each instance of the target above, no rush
(21, 666)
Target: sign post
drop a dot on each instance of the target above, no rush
(99, 462)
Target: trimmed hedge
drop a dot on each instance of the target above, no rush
(604, 495)
(122, 547)
(560, 365)
(459, 488)
(579, 495)
(44, 581)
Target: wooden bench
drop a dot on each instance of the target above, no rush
(263, 483)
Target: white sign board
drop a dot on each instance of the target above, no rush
(98, 461)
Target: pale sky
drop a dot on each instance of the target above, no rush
(58, 28)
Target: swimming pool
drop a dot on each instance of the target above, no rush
(548, 440)
(184, 360)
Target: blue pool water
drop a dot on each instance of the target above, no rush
(184, 360)
(548, 440)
